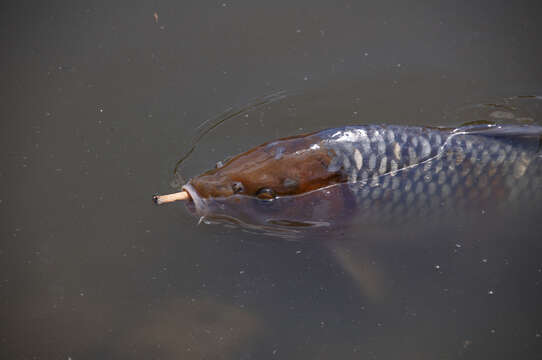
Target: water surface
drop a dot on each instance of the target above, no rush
(101, 100)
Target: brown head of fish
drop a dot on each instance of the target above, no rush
(289, 166)
(283, 183)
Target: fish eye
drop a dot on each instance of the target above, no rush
(237, 187)
(266, 194)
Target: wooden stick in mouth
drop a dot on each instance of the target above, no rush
(162, 199)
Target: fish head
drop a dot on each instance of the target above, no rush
(285, 167)
(280, 186)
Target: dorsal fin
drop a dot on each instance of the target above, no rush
(496, 130)
(527, 136)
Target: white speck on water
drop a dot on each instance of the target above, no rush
(298, 252)
(275, 352)
(398, 65)
(492, 331)
(81, 293)
(458, 245)
(538, 335)
(437, 267)
(100, 108)
(484, 261)
(242, 272)
(224, 5)
(306, 78)
(298, 31)
(490, 292)
(365, 54)
(322, 324)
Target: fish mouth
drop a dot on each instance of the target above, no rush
(198, 204)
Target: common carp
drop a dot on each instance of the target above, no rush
(373, 174)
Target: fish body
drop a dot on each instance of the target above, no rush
(373, 174)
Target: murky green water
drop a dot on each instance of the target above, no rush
(100, 102)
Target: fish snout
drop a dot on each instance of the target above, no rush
(216, 187)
